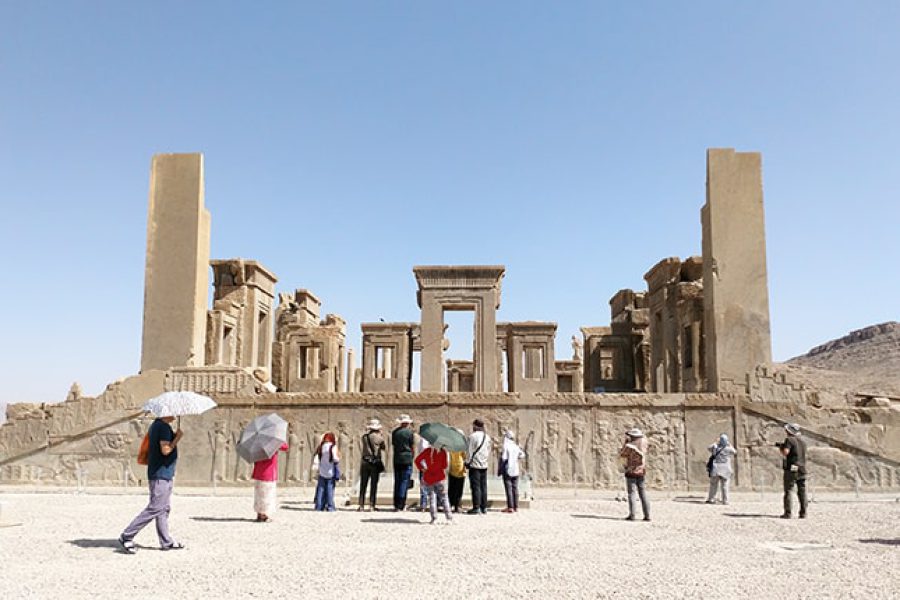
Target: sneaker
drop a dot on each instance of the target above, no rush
(433, 520)
(802, 515)
(710, 501)
(646, 518)
(786, 516)
(473, 511)
(629, 518)
(173, 546)
(128, 546)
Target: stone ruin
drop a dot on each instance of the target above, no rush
(684, 360)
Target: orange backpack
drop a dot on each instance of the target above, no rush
(144, 451)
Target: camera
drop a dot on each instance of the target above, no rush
(780, 445)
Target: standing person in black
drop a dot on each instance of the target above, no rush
(477, 457)
(793, 449)
(402, 440)
(372, 463)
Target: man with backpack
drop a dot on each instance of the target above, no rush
(162, 454)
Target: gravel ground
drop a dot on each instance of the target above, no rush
(568, 545)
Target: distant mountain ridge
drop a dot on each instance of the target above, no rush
(868, 359)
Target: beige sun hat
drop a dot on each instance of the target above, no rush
(635, 433)
(373, 424)
(404, 418)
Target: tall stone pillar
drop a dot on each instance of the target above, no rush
(735, 289)
(432, 361)
(351, 369)
(176, 279)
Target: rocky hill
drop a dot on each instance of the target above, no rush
(865, 361)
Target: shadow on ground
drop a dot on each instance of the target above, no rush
(689, 499)
(607, 517)
(394, 520)
(225, 519)
(750, 516)
(104, 543)
(883, 541)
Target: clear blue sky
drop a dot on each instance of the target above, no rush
(347, 142)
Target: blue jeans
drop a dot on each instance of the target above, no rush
(325, 494)
(402, 473)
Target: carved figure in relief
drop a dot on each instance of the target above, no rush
(241, 466)
(294, 464)
(348, 451)
(551, 450)
(603, 447)
(575, 448)
(221, 449)
(679, 455)
(528, 447)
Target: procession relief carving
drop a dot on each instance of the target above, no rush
(220, 446)
(575, 446)
(347, 449)
(242, 468)
(604, 449)
(551, 449)
(294, 467)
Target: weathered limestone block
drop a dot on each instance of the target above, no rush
(177, 273)
(736, 295)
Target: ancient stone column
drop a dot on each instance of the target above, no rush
(432, 361)
(735, 290)
(176, 279)
(351, 369)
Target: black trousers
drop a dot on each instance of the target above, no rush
(511, 485)
(790, 478)
(368, 472)
(478, 483)
(455, 490)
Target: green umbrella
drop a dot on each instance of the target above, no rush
(444, 436)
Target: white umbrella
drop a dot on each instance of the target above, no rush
(262, 438)
(175, 404)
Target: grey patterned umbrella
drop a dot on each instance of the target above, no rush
(262, 438)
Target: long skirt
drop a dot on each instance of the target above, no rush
(265, 499)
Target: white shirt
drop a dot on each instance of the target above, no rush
(479, 460)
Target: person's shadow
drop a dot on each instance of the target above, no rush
(606, 517)
(883, 541)
(225, 519)
(102, 543)
(750, 516)
(394, 520)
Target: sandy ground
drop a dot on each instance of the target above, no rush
(568, 545)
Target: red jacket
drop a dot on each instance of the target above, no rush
(433, 463)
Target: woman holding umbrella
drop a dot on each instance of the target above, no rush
(261, 441)
(265, 476)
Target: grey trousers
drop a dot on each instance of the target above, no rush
(790, 478)
(437, 493)
(714, 483)
(158, 508)
(635, 487)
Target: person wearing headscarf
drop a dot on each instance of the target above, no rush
(720, 469)
(372, 444)
(793, 449)
(509, 470)
(634, 454)
(329, 457)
